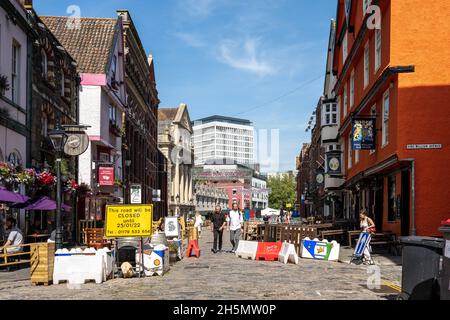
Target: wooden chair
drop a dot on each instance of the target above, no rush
(95, 239)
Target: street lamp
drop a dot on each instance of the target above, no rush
(58, 138)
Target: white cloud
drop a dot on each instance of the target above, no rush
(198, 7)
(243, 56)
(191, 39)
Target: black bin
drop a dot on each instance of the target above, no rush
(422, 262)
(445, 275)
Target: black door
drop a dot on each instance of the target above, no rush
(405, 203)
(378, 210)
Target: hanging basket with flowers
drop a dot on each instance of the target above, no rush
(7, 173)
(45, 179)
(26, 177)
(71, 186)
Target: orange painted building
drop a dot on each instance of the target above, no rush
(397, 71)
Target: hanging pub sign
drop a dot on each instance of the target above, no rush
(106, 176)
(363, 133)
(334, 163)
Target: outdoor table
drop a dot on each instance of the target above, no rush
(38, 236)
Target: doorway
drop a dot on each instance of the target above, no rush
(405, 203)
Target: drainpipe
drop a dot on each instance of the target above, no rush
(413, 196)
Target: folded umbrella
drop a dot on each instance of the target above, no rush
(9, 196)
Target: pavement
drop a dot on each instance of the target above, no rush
(223, 276)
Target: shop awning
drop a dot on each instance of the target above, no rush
(46, 204)
(12, 197)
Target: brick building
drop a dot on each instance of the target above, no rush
(393, 72)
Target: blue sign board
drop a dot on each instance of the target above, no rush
(363, 241)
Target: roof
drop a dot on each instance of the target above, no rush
(165, 114)
(224, 119)
(90, 44)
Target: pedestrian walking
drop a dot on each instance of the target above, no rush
(235, 221)
(368, 226)
(219, 223)
(198, 223)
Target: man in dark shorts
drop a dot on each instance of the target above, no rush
(219, 222)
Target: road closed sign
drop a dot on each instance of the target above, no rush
(126, 221)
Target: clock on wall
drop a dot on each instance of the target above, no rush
(334, 164)
(320, 178)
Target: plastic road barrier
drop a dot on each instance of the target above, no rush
(154, 263)
(288, 254)
(247, 249)
(78, 266)
(268, 251)
(320, 250)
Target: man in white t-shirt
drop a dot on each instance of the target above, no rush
(15, 236)
(235, 221)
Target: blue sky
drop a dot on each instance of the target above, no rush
(231, 57)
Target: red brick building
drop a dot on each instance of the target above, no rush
(396, 72)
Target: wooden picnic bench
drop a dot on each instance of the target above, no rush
(331, 234)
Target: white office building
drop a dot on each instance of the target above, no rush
(219, 139)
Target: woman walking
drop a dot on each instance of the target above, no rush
(198, 223)
(368, 226)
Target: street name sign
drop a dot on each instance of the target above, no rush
(423, 146)
(123, 221)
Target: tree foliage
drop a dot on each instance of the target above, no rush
(283, 191)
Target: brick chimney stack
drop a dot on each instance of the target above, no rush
(27, 4)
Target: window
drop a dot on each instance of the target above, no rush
(15, 72)
(113, 69)
(15, 158)
(377, 49)
(391, 198)
(345, 48)
(366, 65)
(330, 114)
(352, 89)
(44, 64)
(44, 125)
(63, 85)
(1, 155)
(357, 156)
(349, 152)
(385, 123)
(112, 114)
(345, 99)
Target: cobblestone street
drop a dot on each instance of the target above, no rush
(221, 276)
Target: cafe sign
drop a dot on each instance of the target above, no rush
(128, 221)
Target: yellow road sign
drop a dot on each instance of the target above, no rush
(129, 221)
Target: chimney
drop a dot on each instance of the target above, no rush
(27, 4)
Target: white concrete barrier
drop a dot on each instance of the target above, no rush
(288, 254)
(247, 249)
(320, 250)
(77, 267)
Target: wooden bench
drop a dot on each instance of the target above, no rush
(326, 234)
